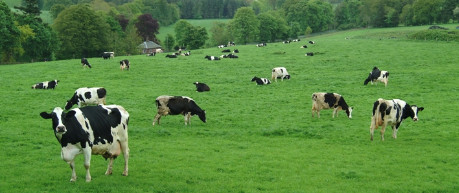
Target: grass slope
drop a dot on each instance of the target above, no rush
(257, 138)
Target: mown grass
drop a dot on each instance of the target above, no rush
(257, 138)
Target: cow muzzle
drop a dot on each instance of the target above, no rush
(415, 119)
(61, 129)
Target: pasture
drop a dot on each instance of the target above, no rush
(257, 138)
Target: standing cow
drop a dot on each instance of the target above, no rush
(377, 75)
(85, 62)
(321, 100)
(87, 96)
(279, 72)
(175, 105)
(46, 85)
(392, 113)
(100, 130)
(124, 64)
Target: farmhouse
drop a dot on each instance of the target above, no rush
(148, 47)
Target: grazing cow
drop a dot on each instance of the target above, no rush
(279, 72)
(309, 54)
(321, 100)
(46, 85)
(222, 46)
(201, 87)
(87, 96)
(261, 45)
(212, 57)
(171, 56)
(304, 46)
(226, 50)
(311, 42)
(392, 113)
(175, 105)
(100, 130)
(235, 51)
(261, 81)
(85, 62)
(124, 64)
(377, 75)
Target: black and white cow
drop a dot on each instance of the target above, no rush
(312, 42)
(100, 130)
(261, 81)
(124, 64)
(286, 42)
(46, 85)
(212, 57)
(231, 43)
(391, 113)
(377, 75)
(186, 53)
(304, 46)
(296, 40)
(171, 56)
(309, 54)
(322, 100)
(85, 62)
(222, 46)
(279, 72)
(261, 45)
(201, 87)
(235, 51)
(106, 56)
(176, 105)
(87, 96)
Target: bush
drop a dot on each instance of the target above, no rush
(436, 34)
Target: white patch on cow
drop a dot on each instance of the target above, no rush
(279, 72)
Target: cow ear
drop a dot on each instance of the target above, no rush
(420, 108)
(46, 115)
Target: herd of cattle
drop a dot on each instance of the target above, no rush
(103, 129)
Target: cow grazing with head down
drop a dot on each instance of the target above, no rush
(124, 64)
(85, 62)
(261, 81)
(279, 72)
(100, 130)
(377, 75)
(391, 113)
(322, 100)
(175, 105)
(201, 87)
(46, 85)
(87, 96)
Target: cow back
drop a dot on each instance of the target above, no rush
(102, 121)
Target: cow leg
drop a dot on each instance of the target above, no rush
(372, 127)
(395, 128)
(68, 154)
(187, 117)
(72, 166)
(87, 161)
(125, 149)
(383, 129)
(157, 117)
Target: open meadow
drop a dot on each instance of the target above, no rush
(257, 138)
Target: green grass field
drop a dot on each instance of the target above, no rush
(257, 138)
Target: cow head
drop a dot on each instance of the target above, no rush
(287, 76)
(202, 115)
(349, 112)
(416, 109)
(57, 116)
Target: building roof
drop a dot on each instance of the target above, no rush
(148, 45)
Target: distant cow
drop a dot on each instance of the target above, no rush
(99, 130)
(321, 100)
(87, 96)
(106, 56)
(229, 56)
(261, 81)
(158, 50)
(212, 57)
(221, 46)
(226, 50)
(231, 44)
(46, 85)
(286, 42)
(85, 62)
(201, 87)
(175, 105)
(261, 45)
(391, 113)
(235, 51)
(377, 75)
(304, 46)
(296, 40)
(279, 72)
(309, 54)
(124, 64)
(171, 56)
(186, 53)
(312, 42)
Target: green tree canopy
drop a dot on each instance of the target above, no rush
(245, 26)
(9, 33)
(190, 36)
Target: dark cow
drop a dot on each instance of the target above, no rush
(312, 42)
(377, 75)
(171, 56)
(175, 105)
(106, 56)
(87, 96)
(235, 51)
(304, 46)
(226, 50)
(100, 130)
(261, 45)
(46, 85)
(261, 81)
(85, 62)
(321, 100)
(124, 64)
(309, 54)
(201, 87)
(212, 57)
(391, 113)
(279, 72)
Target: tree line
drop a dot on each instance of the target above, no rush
(86, 28)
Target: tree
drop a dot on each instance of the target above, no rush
(30, 8)
(163, 12)
(189, 36)
(147, 27)
(82, 33)
(272, 27)
(56, 9)
(245, 25)
(169, 42)
(219, 33)
(316, 14)
(9, 33)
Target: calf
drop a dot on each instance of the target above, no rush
(46, 85)
(377, 75)
(85, 62)
(100, 130)
(261, 81)
(392, 113)
(212, 58)
(321, 100)
(279, 72)
(124, 64)
(201, 87)
(87, 96)
(296, 40)
(171, 56)
(175, 105)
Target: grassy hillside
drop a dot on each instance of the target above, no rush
(257, 138)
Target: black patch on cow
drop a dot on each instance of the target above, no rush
(87, 95)
(39, 85)
(101, 92)
(101, 122)
(407, 112)
(375, 106)
(52, 84)
(388, 110)
(342, 103)
(182, 105)
(373, 76)
(382, 109)
(330, 99)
